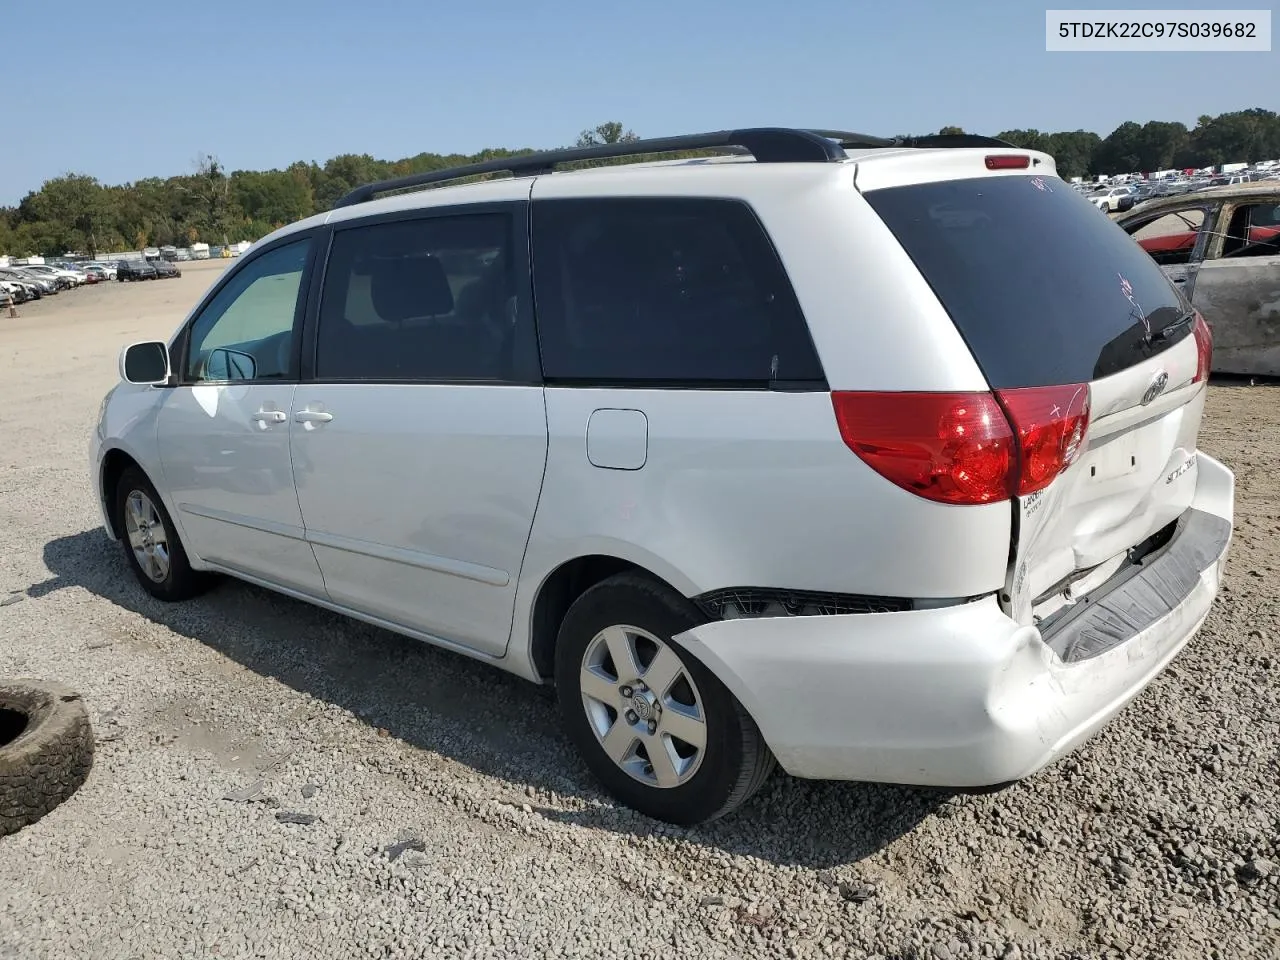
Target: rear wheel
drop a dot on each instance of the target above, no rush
(151, 544)
(655, 726)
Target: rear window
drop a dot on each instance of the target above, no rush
(1043, 287)
(681, 292)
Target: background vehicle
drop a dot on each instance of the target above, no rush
(164, 269)
(135, 270)
(1221, 247)
(62, 279)
(748, 458)
(15, 290)
(48, 285)
(32, 289)
(1113, 199)
(73, 271)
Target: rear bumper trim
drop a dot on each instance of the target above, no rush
(1139, 594)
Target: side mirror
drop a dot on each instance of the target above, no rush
(145, 363)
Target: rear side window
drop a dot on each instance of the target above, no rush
(429, 299)
(1170, 238)
(1254, 231)
(1043, 287)
(671, 291)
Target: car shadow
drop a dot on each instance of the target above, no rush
(493, 722)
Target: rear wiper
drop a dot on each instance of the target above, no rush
(1167, 332)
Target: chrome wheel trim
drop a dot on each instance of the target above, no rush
(643, 706)
(147, 536)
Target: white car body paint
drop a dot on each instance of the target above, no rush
(440, 510)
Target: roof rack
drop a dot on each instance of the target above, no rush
(765, 144)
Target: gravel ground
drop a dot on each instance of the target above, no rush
(275, 781)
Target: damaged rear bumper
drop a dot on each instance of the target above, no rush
(963, 696)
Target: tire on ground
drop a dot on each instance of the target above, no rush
(738, 761)
(46, 749)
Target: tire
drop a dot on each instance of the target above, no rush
(148, 533)
(702, 784)
(46, 750)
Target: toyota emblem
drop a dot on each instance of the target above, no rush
(1158, 383)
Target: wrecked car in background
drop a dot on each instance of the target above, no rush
(1221, 246)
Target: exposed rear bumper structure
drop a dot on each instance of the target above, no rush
(963, 696)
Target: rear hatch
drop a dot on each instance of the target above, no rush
(1048, 293)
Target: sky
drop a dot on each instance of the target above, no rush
(123, 92)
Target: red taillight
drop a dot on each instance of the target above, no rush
(960, 448)
(948, 447)
(1050, 423)
(1204, 348)
(1007, 161)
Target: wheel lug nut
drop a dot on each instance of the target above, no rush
(653, 726)
(631, 716)
(626, 691)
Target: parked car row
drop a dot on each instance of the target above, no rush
(22, 282)
(31, 281)
(1120, 197)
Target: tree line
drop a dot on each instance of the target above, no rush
(75, 212)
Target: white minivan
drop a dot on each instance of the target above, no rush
(877, 457)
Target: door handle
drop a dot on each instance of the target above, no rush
(270, 416)
(312, 416)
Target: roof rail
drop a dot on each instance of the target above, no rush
(766, 144)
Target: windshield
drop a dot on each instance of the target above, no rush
(1043, 289)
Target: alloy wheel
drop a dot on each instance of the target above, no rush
(643, 706)
(147, 535)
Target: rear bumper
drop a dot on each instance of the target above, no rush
(963, 696)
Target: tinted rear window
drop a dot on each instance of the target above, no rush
(665, 291)
(1042, 286)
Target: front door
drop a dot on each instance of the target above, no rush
(224, 430)
(420, 439)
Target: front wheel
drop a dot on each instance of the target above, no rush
(654, 725)
(151, 544)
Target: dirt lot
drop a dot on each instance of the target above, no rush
(451, 818)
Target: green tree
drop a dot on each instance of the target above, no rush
(274, 196)
(610, 132)
(1072, 151)
(76, 212)
(1026, 139)
(1132, 148)
(72, 209)
(1231, 137)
